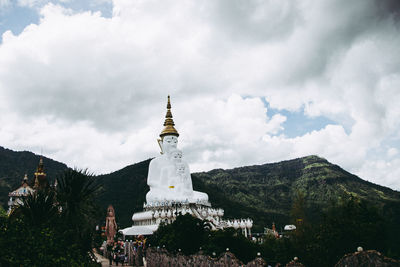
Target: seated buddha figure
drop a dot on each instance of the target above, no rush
(169, 175)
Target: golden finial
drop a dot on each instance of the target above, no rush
(40, 175)
(40, 167)
(169, 122)
(169, 103)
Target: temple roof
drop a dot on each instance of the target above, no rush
(140, 230)
(23, 190)
(144, 215)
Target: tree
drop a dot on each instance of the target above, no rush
(75, 193)
(186, 233)
(297, 212)
(189, 234)
(37, 208)
(52, 228)
(277, 250)
(219, 241)
(344, 227)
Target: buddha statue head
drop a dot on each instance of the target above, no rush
(168, 143)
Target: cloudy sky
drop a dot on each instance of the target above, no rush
(251, 82)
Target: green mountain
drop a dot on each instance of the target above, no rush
(126, 190)
(270, 189)
(263, 192)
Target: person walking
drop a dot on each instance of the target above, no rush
(122, 258)
(116, 258)
(109, 256)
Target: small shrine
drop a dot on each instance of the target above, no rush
(171, 191)
(17, 195)
(25, 189)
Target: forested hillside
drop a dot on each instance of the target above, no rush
(272, 188)
(14, 165)
(263, 192)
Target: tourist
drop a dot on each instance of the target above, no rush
(116, 258)
(122, 259)
(126, 258)
(109, 256)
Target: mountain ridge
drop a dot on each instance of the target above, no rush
(15, 164)
(264, 192)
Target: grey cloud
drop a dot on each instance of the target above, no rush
(333, 27)
(101, 83)
(114, 75)
(255, 21)
(387, 8)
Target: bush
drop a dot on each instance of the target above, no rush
(41, 233)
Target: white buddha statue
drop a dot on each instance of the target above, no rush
(169, 175)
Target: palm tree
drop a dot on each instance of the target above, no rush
(75, 194)
(54, 225)
(37, 209)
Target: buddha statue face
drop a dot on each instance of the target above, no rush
(175, 155)
(169, 142)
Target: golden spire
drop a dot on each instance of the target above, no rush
(40, 175)
(169, 122)
(40, 168)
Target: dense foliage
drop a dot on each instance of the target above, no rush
(188, 234)
(52, 227)
(344, 227)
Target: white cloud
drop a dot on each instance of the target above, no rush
(31, 3)
(101, 83)
(392, 152)
(4, 3)
(224, 133)
(382, 171)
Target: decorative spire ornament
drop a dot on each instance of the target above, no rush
(40, 176)
(40, 168)
(25, 180)
(169, 122)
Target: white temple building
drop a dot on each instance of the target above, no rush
(171, 191)
(16, 196)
